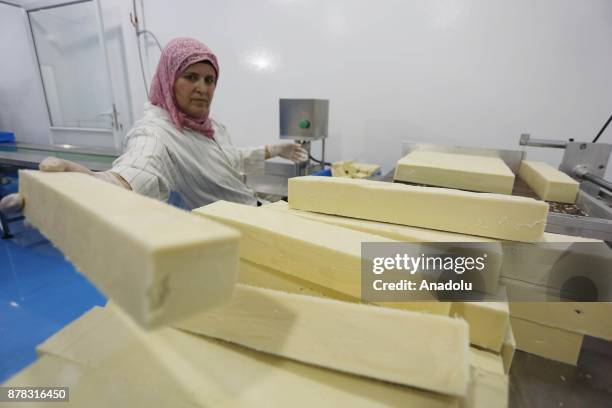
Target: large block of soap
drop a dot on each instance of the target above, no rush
(211, 373)
(454, 170)
(490, 215)
(487, 390)
(326, 255)
(157, 262)
(486, 360)
(416, 349)
(489, 385)
(508, 349)
(549, 183)
(548, 342)
(87, 387)
(488, 279)
(264, 277)
(588, 318)
(397, 232)
(488, 322)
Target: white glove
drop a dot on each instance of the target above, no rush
(13, 203)
(290, 151)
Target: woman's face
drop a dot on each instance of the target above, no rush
(194, 89)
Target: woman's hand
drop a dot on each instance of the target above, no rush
(290, 151)
(13, 203)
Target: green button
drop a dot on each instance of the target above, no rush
(304, 124)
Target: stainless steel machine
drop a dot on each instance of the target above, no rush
(304, 121)
(587, 164)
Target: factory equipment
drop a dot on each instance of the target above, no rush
(591, 216)
(304, 121)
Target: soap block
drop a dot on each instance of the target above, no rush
(157, 262)
(549, 183)
(211, 373)
(548, 342)
(264, 277)
(338, 170)
(587, 318)
(326, 255)
(487, 390)
(486, 360)
(87, 387)
(416, 349)
(348, 168)
(454, 170)
(397, 232)
(552, 261)
(489, 215)
(488, 322)
(508, 348)
(489, 385)
(486, 281)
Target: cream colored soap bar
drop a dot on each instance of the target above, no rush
(88, 387)
(323, 254)
(549, 183)
(416, 349)
(508, 349)
(264, 277)
(483, 214)
(489, 386)
(211, 373)
(488, 322)
(397, 232)
(548, 342)
(157, 262)
(588, 318)
(487, 390)
(486, 360)
(487, 280)
(462, 171)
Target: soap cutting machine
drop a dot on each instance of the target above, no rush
(590, 216)
(303, 121)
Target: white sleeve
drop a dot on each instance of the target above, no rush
(143, 164)
(252, 159)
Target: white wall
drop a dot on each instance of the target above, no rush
(468, 72)
(22, 105)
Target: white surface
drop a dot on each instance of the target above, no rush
(467, 72)
(22, 105)
(464, 72)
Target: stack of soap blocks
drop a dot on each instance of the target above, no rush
(261, 306)
(350, 169)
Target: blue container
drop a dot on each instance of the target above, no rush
(326, 173)
(7, 137)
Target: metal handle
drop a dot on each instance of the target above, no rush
(582, 172)
(526, 140)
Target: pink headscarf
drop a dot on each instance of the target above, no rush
(176, 56)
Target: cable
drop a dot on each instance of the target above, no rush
(139, 32)
(319, 161)
(602, 129)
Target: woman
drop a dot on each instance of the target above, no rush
(177, 152)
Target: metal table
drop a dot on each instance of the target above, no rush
(29, 156)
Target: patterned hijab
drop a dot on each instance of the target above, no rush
(176, 56)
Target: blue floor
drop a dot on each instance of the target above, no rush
(40, 292)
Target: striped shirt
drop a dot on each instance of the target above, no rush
(186, 168)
